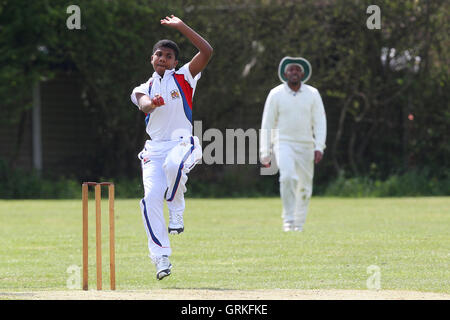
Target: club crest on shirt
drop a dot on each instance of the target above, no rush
(174, 94)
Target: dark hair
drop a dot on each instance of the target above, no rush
(167, 44)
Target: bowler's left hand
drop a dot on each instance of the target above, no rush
(172, 21)
(317, 156)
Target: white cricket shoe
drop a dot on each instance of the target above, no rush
(298, 229)
(176, 224)
(163, 267)
(288, 226)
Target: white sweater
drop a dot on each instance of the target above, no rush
(296, 117)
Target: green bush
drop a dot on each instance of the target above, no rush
(349, 187)
(408, 184)
(21, 184)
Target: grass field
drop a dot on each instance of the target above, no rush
(237, 244)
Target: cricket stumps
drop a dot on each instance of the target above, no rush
(98, 232)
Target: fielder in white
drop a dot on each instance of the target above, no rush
(171, 151)
(293, 130)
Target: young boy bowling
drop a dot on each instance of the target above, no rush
(171, 151)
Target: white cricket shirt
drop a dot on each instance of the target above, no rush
(173, 119)
(297, 117)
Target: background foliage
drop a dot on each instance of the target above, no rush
(369, 100)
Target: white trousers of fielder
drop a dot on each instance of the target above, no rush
(165, 165)
(296, 164)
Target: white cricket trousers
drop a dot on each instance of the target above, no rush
(296, 164)
(165, 165)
